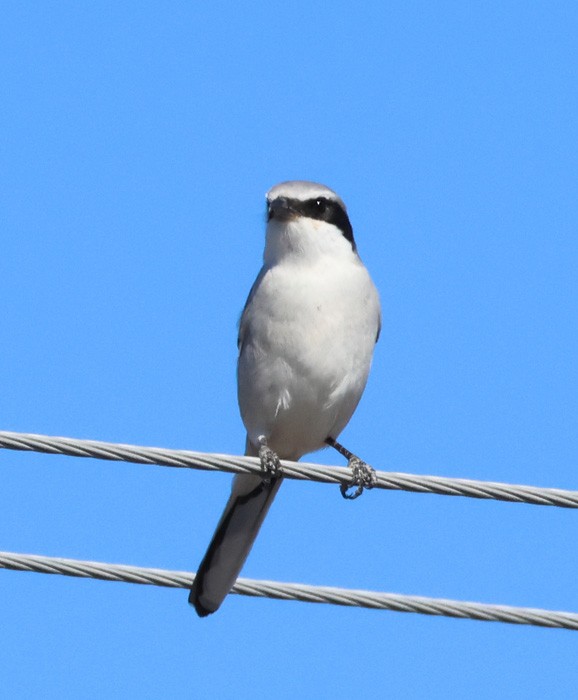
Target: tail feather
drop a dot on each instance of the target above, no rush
(238, 527)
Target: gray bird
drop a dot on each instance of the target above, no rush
(306, 340)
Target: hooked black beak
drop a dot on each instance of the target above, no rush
(281, 210)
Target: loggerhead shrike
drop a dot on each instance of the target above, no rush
(306, 339)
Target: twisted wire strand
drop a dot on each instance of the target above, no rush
(396, 481)
(296, 591)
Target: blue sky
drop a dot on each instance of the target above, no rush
(138, 140)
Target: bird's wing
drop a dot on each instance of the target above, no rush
(243, 325)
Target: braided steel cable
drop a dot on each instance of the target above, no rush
(296, 591)
(396, 481)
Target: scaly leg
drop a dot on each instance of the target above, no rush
(364, 476)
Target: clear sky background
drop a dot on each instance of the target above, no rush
(137, 141)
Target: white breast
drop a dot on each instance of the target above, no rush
(307, 335)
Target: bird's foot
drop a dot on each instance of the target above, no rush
(364, 476)
(270, 463)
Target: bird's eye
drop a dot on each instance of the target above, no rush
(320, 205)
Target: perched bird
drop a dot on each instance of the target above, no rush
(306, 340)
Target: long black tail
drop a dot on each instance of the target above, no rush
(238, 527)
